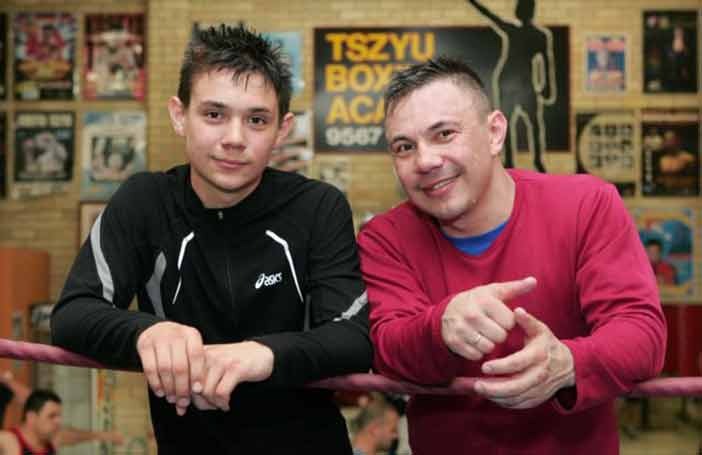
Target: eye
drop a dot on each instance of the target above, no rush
(258, 120)
(446, 134)
(213, 115)
(402, 148)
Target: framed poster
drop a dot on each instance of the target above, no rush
(291, 45)
(44, 56)
(605, 144)
(44, 150)
(89, 211)
(670, 51)
(605, 63)
(670, 148)
(668, 235)
(115, 56)
(3, 55)
(113, 148)
(353, 66)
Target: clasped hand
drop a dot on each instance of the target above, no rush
(178, 366)
(475, 321)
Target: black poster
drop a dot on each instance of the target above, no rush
(3, 155)
(670, 147)
(354, 65)
(44, 144)
(3, 53)
(670, 51)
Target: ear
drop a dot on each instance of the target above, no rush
(497, 130)
(176, 110)
(286, 126)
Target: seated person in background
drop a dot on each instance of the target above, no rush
(40, 432)
(375, 426)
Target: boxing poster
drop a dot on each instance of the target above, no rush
(3, 54)
(44, 56)
(3, 155)
(668, 235)
(113, 148)
(44, 149)
(527, 77)
(605, 144)
(115, 56)
(290, 44)
(670, 148)
(605, 63)
(670, 51)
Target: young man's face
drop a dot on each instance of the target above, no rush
(444, 149)
(230, 128)
(47, 422)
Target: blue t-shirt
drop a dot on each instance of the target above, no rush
(475, 245)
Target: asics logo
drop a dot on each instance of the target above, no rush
(268, 280)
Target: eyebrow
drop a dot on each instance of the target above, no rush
(218, 105)
(432, 128)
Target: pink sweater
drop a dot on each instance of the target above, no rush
(595, 291)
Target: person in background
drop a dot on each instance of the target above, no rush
(375, 426)
(41, 432)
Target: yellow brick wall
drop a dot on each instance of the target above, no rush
(51, 223)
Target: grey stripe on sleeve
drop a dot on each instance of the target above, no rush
(153, 286)
(355, 307)
(103, 270)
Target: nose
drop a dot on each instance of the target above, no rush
(427, 158)
(234, 136)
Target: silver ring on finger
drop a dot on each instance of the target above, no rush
(476, 339)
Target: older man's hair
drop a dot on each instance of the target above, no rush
(407, 81)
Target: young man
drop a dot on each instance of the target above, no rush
(536, 284)
(375, 426)
(41, 433)
(248, 278)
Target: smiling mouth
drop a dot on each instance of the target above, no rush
(438, 185)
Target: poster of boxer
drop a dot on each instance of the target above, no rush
(113, 148)
(44, 56)
(670, 150)
(115, 56)
(668, 235)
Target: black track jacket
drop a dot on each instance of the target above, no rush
(280, 267)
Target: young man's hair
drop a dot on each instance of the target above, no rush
(405, 82)
(37, 399)
(374, 410)
(240, 50)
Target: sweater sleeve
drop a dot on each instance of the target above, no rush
(406, 324)
(619, 302)
(337, 340)
(91, 316)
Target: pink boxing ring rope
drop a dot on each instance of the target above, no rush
(659, 387)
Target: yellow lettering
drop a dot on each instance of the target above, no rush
(357, 49)
(361, 78)
(429, 47)
(400, 45)
(335, 78)
(337, 41)
(379, 41)
(355, 107)
(337, 111)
